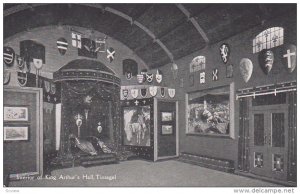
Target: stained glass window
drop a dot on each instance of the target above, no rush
(269, 38)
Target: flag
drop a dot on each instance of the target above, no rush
(88, 48)
(76, 39)
(100, 45)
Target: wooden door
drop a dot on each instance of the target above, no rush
(268, 141)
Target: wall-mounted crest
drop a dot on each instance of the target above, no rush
(246, 68)
(125, 93)
(224, 52)
(289, 57)
(6, 77)
(171, 92)
(62, 45)
(158, 76)
(215, 74)
(266, 60)
(134, 93)
(140, 78)
(202, 77)
(20, 62)
(22, 78)
(162, 92)
(143, 92)
(8, 56)
(153, 90)
(149, 77)
(110, 54)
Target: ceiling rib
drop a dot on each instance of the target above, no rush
(194, 22)
(109, 9)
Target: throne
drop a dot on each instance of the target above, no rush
(90, 151)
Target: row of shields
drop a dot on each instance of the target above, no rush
(152, 90)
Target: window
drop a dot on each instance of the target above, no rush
(269, 38)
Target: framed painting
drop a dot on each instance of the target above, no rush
(210, 111)
(136, 125)
(15, 133)
(166, 116)
(15, 113)
(166, 129)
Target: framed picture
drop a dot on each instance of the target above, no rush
(15, 133)
(14, 113)
(136, 125)
(166, 129)
(166, 116)
(209, 111)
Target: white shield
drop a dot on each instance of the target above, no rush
(134, 93)
(171, 92)
(140, 78)
(246, 68)
(158, 77)
(153, 90)
(47, 86)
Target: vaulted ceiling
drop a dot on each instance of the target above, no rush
(158, 33)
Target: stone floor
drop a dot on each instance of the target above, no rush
(137, 173)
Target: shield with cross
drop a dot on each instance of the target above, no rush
(289, 57)
(110, 54)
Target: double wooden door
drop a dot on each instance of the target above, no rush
(268, 141)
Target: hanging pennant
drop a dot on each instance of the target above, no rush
(171, 92)
(289, 57)
(76, 39)
(20, 62)
(62, 45)
(215, 74)
(143, 92)
(266, 60)
(100, 45)
(22, 78)
(202, 77)
(134, 93)
(110, 54)
(153, 90)
(125, 93)
(149, 77)
(8, 56)
(158, 76)
(162, 92)
(246, 68)
(224, 52)
(6, 77)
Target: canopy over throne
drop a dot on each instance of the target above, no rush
(90, 94)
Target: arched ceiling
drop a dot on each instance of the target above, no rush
(158, 33)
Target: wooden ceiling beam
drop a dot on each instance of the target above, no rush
(193, 21)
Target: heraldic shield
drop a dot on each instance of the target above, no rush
(171, 92)
(134, 93)
(125, 93)
(266, 60)
(158, 77)
(143, 92)
(162, 92)
(153, 90)
(246, 68)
